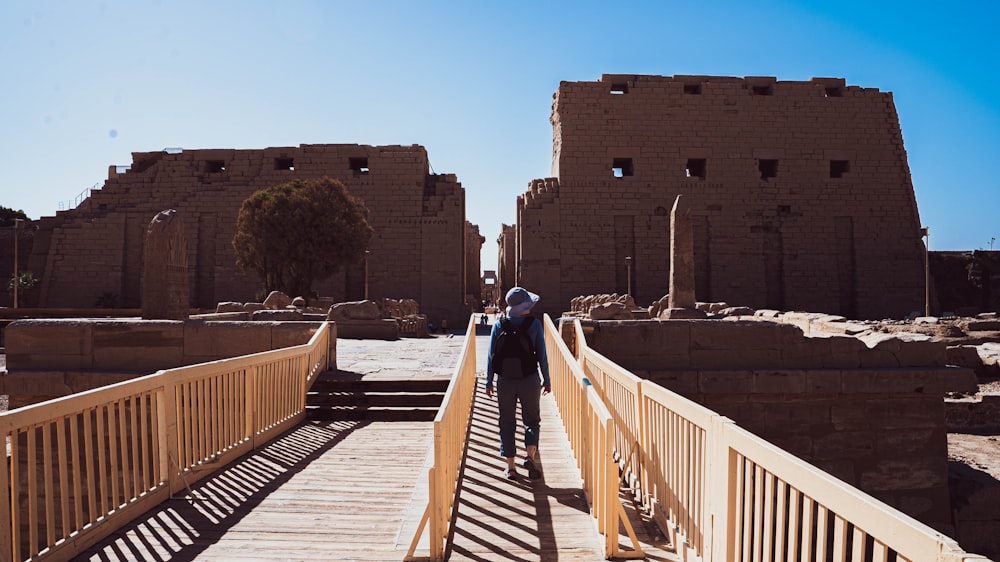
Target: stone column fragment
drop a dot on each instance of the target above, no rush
(681, 256)
(165, 291)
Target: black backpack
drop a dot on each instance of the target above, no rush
(514, 355)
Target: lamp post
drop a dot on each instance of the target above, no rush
(926, 233)
(367, 253)
(628, 269)
(18, 224)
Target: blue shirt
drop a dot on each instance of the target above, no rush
(536, 332)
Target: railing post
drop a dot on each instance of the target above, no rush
(6, 544)
(166, 419)
(719, 516)
(251, 404)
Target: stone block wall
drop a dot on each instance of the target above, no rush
(868, 412)
(507, 261)
(138, 347)
(800, 193)
(473, 268)
(417, 249)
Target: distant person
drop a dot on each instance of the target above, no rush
(482, 320)
(517, 350)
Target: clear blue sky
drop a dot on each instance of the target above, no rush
(84, 83)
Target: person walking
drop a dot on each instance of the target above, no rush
(515, 358)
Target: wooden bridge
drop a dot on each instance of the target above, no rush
(218, 462)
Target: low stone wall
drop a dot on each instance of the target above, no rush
(974, 414)
(143, 346)
(384, 329)
(869, 411)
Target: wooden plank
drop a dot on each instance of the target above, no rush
(320, 491)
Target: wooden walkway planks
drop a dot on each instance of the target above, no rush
(500, 519)
(341, 490)
(323, 491)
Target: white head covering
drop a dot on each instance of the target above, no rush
(520, 301)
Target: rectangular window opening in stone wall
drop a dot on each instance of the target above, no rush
(621, 167)
(284, 164)
(619, 88)
(834, 92)
(695, 168)
(839, 167)
(693, 89)
(359, 165)
(215, 166)
(768, 169)
(762, 90)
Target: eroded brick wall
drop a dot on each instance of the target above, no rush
(800, 194)
(507, 260)
(473, 268)
(416, 249)
(871, 414)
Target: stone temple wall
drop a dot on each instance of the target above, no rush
(417, 249)
(868, 410)
(800, 194)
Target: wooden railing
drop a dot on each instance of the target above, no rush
(592, 433)
(722, 493)
(82, 466)
(451, 426)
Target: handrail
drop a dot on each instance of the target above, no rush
(592, 435)
(723, 493)
(451, 426)
(82, 466)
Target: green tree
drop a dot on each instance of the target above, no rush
(26, 283)
(300, 232)
(7, 216)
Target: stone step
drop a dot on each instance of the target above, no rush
(375, 399)
(346, 396)
(317, 413)
(344, 384)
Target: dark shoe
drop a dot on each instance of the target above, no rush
(510, 473)
(533, 471)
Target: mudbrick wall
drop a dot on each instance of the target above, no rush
(473, 268)
(867, 410)
(800, 193)
(417, 249)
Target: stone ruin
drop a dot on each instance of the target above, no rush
(799, 194)
(164, 277)
(383, 318)
(97, 247)
(862, 404)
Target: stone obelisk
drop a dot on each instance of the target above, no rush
(682, 303)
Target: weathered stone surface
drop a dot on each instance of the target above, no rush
(229, 307)
(276, 315)
(681, 314)
(736, 311)
(252, 307)
(356, 310)
(165, 293)
(209, 341)
(681, 289)
(277, 300)
(610, 311)
(377, 329)
(299, 302)
(134, 345)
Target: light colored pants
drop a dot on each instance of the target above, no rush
(509, 391)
